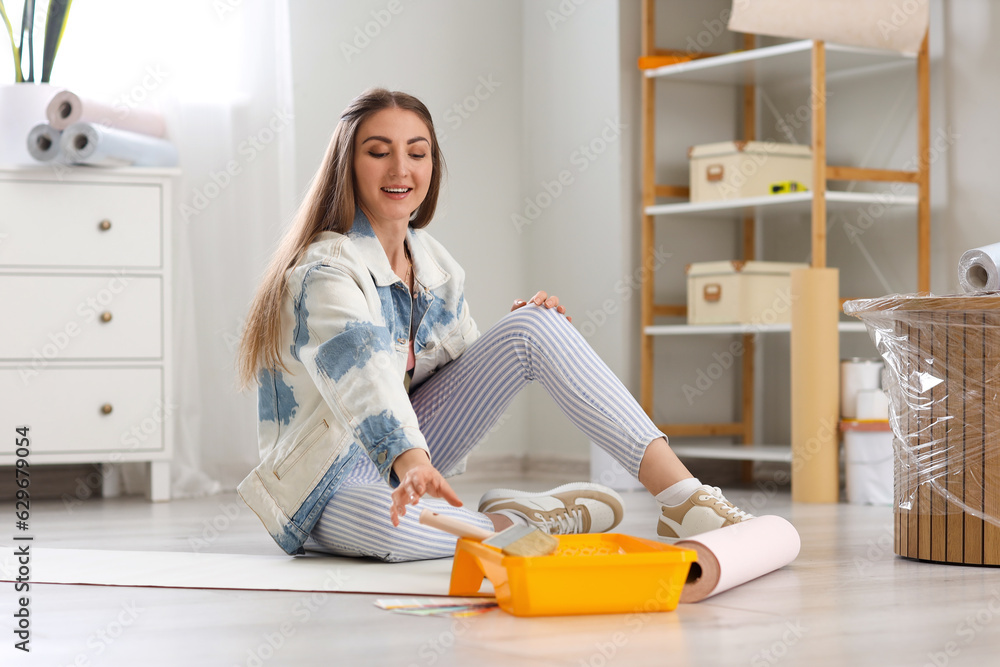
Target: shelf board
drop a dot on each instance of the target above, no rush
(792, 202)
(779, 453)
(782, 63)
(702, 329)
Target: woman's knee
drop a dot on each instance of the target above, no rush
(535, 321)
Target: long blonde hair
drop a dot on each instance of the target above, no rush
(328, 206)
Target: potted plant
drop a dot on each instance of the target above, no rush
(23, 103)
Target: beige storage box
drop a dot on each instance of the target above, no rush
(740, 169)
(735, 292)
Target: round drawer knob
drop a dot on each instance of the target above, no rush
(106, 316)
(105, 225)
(106, 409)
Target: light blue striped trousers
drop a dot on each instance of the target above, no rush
(458, 406)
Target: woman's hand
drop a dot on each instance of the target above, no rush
(543, 299)
(416, 477)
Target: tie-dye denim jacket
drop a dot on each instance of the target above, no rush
(345, 328)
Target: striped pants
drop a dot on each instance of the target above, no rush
(458, 406)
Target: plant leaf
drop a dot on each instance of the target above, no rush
(28, 26)
(55, 25)
(18, 77)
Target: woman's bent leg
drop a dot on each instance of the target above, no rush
(458, 405)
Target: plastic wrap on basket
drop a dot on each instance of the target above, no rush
(942, 374)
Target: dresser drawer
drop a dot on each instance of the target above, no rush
(52, 318)
(60, 224)
(81, 410)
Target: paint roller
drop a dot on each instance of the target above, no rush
(523, 541)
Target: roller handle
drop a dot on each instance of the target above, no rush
(454, 526)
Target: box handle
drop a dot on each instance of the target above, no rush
(713, 172)
(712, 292)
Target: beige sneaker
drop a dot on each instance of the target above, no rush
(580, 507)
(705, 509)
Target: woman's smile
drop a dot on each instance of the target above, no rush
(397, 191)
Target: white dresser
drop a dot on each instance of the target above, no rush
(85, 344)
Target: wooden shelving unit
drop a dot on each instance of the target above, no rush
(812, 63)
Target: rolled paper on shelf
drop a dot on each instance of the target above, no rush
(736, 554)
(840, 21)
(857, 375)
(67, 108)
(88, 143)
(979, 269)
(43, 142)
(871, 404)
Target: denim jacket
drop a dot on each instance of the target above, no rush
(346, 322)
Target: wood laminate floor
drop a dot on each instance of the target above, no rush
(847, 600)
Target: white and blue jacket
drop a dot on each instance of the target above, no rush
(346, 324)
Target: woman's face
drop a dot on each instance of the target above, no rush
(392, 165)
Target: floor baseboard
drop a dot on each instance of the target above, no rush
(542, 467)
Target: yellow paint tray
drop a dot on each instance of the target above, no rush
(604, 573)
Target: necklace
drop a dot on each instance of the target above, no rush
(409, 267)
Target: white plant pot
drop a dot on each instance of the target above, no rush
(22, 106)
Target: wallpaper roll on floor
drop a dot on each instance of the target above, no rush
(979, 269)
(67, 108)
(739, 553)
(43, 142)
(88, 143)
(878, 24)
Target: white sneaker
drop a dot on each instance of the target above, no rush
(579, 507)
(706, 509)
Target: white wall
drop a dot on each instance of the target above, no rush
(972, 96)
(577, 243)
(442, 52)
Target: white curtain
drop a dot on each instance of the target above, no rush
(220, 71)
